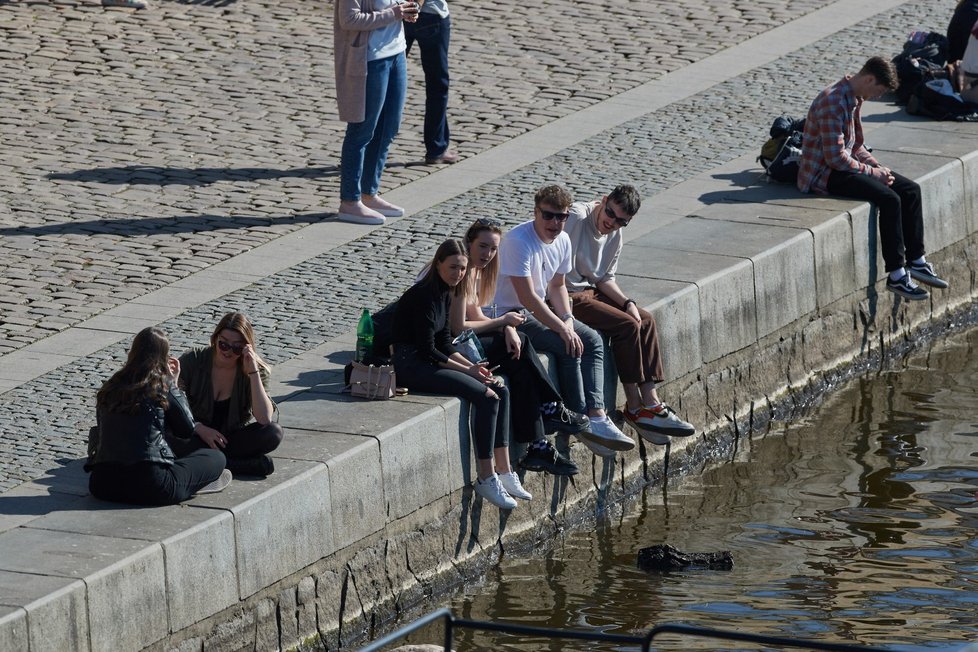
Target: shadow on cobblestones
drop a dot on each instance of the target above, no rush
(140, 226)
(163, 176)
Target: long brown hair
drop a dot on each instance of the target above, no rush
(448, 248)
(145, 375)
(239, 323)
(485, 288)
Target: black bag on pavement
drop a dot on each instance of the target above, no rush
(781, 154)
(936, 99)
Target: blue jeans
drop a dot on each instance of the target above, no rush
(581, 379)
(366, 143)
(432, 32)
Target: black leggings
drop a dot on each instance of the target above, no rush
(152, 483)
(529, 385)
(491, 416)
(249, 441)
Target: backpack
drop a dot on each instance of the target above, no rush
(922, 59)
(781, 154)
(936, 99)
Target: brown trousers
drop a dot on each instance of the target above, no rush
(635, 345)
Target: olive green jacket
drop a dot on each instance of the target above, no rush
(195, 380)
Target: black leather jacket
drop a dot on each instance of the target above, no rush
(140, 437)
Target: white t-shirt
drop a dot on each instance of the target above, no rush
(388, 40)
(523, 254)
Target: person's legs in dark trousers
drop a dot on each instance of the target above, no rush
(489, 426)
(150, 483)
(247, 448)
(529, 385)
(254, 439)
(901, 223)
(433, 33)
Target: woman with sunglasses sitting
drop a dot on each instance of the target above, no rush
(536, 407)
(227, 387)
(128, 455)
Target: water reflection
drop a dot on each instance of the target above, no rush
(855, 523)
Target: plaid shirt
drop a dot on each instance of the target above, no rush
(833, 139)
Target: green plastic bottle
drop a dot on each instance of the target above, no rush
(365, 336)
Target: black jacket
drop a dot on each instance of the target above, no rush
(140, 437)
(421, 320)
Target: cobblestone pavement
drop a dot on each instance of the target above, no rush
(140, 147)
(43, 422)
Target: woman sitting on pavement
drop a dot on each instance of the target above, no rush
(227, 387)
(426, 361)
(536, 406)
(129, 459)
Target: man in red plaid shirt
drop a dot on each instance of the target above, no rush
(835, 161)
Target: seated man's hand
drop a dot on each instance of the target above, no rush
(572, 342)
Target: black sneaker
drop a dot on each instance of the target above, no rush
(925, 274)
(565, 421)
(906, 288)
(259, 466)
(549, 460)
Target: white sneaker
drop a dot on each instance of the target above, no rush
(220, 484)
(493, 491)
(603, 431)
(598, 449)
(662, 419)
(511, 483)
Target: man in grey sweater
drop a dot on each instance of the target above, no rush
(596, 300)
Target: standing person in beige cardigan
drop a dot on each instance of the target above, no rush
(371, 81)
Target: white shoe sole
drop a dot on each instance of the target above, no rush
(218, 485)
(598, 449)
(361, 219)
(616, 444)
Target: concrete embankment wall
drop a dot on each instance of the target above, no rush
(759, 293)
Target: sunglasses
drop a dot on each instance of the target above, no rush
(620, 221)
(236, 349)
(550, 215)
(485, 221)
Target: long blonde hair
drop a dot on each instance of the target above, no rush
(482, 287)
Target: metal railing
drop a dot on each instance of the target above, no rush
(451, 623)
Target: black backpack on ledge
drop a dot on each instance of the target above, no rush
(781, 154)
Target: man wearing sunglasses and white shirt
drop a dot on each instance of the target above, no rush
(594, 229)
(534, 258)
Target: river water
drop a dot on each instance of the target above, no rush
(854, 523)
